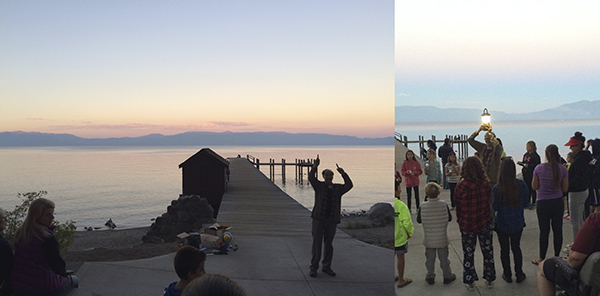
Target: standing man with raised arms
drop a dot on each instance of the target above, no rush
(325, 215)
(490, 152)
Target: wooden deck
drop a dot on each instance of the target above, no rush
(253, 205)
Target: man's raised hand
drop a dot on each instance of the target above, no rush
(339, 169)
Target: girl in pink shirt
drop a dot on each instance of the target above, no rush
(411, 169)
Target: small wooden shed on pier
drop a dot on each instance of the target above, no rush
(205, 174)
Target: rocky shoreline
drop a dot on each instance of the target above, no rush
(126, 244)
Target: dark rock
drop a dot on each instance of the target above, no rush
(381, 214)
(203, 203)
(195, 198)
(186, 214)
(165, 229)
(110, 224)
(181, 227)
(185, 217)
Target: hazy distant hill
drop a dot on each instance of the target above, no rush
(17, 139)
(577, 110)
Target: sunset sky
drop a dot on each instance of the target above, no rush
(511, 56)
(131, 68)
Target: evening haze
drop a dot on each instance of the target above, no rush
(509, 56)
(131, 68)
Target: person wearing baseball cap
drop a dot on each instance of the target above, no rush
(580, 173)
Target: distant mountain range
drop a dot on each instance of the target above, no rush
(577, 110)
(28, 139)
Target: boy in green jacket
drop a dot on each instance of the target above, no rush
(404, 230)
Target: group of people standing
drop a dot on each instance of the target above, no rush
(488, 197)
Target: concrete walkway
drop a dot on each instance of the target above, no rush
(415, 258)
(273, 234)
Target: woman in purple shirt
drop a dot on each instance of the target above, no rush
(550, 180)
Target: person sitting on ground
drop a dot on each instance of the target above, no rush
(189, 264)
(586, 242)
(213, 285)
(38, 268)
(403, 231)
(435, 215)
(6, 259)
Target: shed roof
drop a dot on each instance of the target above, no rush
(208, 152)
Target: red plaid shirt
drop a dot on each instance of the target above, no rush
(473, 212)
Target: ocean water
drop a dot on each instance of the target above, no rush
(514, 135)
(132, 185)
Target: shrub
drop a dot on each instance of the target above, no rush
(64, 232)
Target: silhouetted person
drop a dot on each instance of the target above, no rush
(325, 215)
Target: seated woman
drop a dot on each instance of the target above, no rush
(38, 267)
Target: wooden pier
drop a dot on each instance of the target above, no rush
(458, 143)
(298, 164)
(253, 205)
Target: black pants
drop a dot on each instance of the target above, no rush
(511, 242)
(323, 233)
(527, 178)
(408, 196)
(452, 186)
(550, 214)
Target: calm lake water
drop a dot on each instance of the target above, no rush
(514, 135)
(131, 185)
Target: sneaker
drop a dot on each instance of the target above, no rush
(328, 271)
(489, 284)
(430, 280)
(470, 287)
(313, 273)
(521, 278)
(566, 216)
(506, 278)
(449, 279)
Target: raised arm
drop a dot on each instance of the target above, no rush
(474, 143)
(312, 175)
(347, 182)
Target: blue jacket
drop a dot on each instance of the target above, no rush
(171, 290)
(510, 219)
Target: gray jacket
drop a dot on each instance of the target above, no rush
(434, 214)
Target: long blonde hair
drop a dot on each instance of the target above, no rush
(31, 227)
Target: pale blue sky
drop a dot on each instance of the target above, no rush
(129, 68)
(512, 56)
